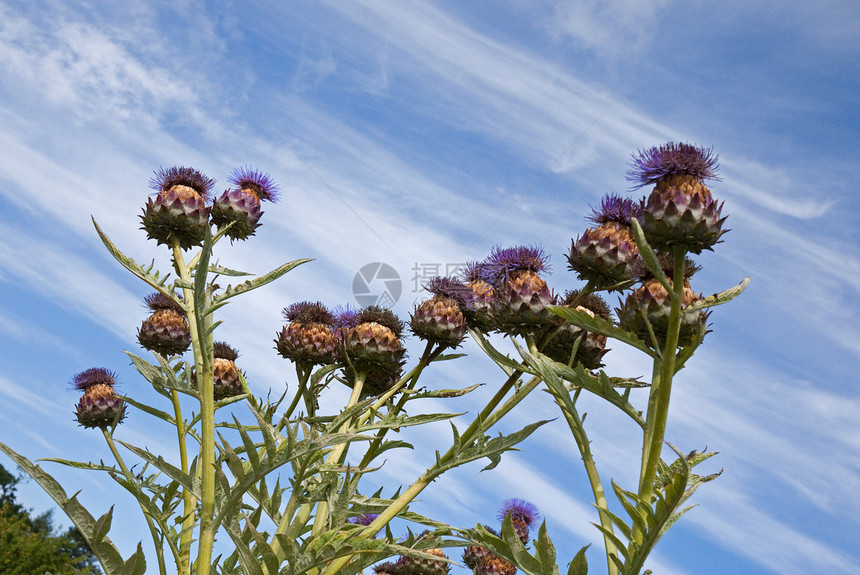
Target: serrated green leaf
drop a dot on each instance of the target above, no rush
(579, 565)
(260, 281)
(598, 325)
(719, 298)
(158, 462)
(153, 279)
(224, 271)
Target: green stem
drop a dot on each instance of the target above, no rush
(304, 374)
(201, 341)
(661, 386)
(574, 421)
(156, 540)
(188, 499)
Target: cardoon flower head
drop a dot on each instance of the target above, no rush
(478, 313)
(520, 293)
(239, 207)
(178, 214)
(258, 183)
(166, 331)
(680, 210)
(309, 337)
(671, 159)
(226, 382)
(652, 301)
(602, 254)
(345, 317)
(100, 406)
(592, 346)
(523, 515)
(440, 319)
(474, 554)
(373, 346)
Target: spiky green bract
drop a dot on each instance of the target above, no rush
(672, 217)
(387, 568)
(592, 346)
(93, 376)
(309, 338)
(166, 178)
(492, 564)
(260, 184)
(519, 305)
(657, 163)
(100, 407)
(523, 515)
(166, 331)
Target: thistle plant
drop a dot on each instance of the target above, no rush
(284, 483)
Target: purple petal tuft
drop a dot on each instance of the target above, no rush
(652, 165)
(245, 176)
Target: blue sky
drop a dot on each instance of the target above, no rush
(419, 133)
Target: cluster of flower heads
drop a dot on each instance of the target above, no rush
(183, 209)
(100, 406)
(481, 560)
(368, 341)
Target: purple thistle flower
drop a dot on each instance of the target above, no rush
(345, 317)
(164, 179)
(501, 262)
(614, 208)
(520, 510)
(652, 165)
(93, 376)
(451, 288)
(364, 519)
(265, 187)
(309, 312)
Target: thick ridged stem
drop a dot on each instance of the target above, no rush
(661, 386)
(486, 419)
(156, 540)
(321, 518)
(303, 374)
(188, 499)
(203, 365)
